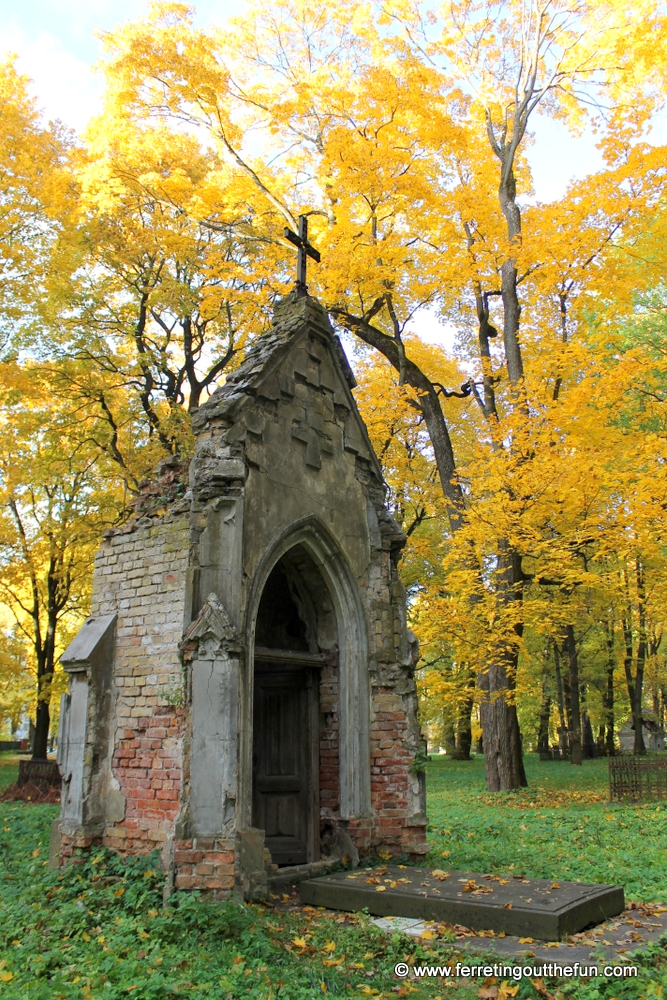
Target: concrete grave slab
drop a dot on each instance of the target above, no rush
(538, 908)
(613, 942)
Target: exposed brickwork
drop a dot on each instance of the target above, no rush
(205, 865)
(70, 845)
(147, 765)
(329, 746)
(390, 775)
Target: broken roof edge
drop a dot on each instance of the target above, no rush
(292, 315)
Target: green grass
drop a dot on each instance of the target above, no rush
(561, 826)
(99, 930)
(9, 768)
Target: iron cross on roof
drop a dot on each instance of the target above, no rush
(305, 250)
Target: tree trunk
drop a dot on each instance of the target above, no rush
(503, 754)
(563, 727)
(42, 726)
(449, 738)
(637, 705)
(545, 718)
(464, 724)
(502, 739)
(608, 699)
(575, 713)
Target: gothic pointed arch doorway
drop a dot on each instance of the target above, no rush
(306, 628)
(295, 674)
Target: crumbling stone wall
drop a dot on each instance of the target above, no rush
(140, 575)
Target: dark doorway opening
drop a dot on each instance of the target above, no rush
(286, 716)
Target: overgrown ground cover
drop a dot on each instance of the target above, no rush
(100, 930)
(9, 769)
(561, 825)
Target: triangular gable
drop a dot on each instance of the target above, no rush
(300, 346)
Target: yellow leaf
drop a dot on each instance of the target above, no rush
(381, 888)
(6, 976)
(526, 940)
(85, 936)
(119, 892)
(101, 939)
(439, 874)
(36, 853)
(329, 946)
(143, 935)
(555, 886)
(299, 942)
(329, 962)
(323, 987)
(428, 935)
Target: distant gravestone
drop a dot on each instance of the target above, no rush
(652, 731)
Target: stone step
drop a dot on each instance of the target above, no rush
(539, 908)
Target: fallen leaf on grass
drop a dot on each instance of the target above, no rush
(329, 946)
(299, 942)
(540, 987)
(507, 991)
(6, 976)
(330, 962)
(488, 993)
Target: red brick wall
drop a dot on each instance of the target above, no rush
(390, 773)
(329, 746)
(147, 766)
(203, 863)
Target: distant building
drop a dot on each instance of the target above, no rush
(654, 735)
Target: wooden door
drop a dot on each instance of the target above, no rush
(285, 761)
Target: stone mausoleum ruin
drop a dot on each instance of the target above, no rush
(242, 697)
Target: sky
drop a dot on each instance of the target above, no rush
(57, 46)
